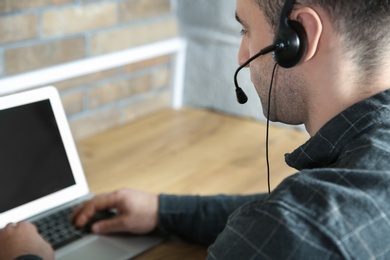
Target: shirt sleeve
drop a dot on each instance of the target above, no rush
(262, 231)
(198, 219)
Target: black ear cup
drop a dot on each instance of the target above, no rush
(289, 46)
(291, 39)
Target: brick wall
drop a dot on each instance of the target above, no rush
(38, 34)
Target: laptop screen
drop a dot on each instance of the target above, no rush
(33, 161)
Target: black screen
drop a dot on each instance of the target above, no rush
(33, 162)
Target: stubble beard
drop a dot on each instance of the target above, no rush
(287, 97)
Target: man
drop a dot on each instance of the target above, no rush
(336, 206)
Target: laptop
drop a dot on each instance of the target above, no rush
(41, 175)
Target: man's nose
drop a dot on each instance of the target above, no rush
(243, 52)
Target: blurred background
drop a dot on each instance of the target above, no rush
(36, 35)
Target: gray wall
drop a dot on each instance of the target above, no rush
(213, 42)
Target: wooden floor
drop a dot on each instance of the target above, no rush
(187, 152)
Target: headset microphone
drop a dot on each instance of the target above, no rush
(241, 96)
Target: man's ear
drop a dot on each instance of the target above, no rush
(312, 24)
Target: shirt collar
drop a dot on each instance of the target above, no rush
(324, 148)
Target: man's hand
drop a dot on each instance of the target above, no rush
(22, 239)
(137, 212)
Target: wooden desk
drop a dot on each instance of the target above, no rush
(187, 152)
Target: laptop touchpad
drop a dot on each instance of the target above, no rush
(94, 250)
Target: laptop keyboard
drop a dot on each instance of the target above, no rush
(58, 229)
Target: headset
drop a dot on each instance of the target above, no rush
(292, 37)
(289, 46)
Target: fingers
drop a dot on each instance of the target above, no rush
(85, 212)
(10, 225)
(81, 216)
(21, 225)
(113, 225)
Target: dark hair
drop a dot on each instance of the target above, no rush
(364, 24)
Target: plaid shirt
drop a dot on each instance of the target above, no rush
(336, 207)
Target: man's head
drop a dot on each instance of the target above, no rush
(347, 40)
(364, 25)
